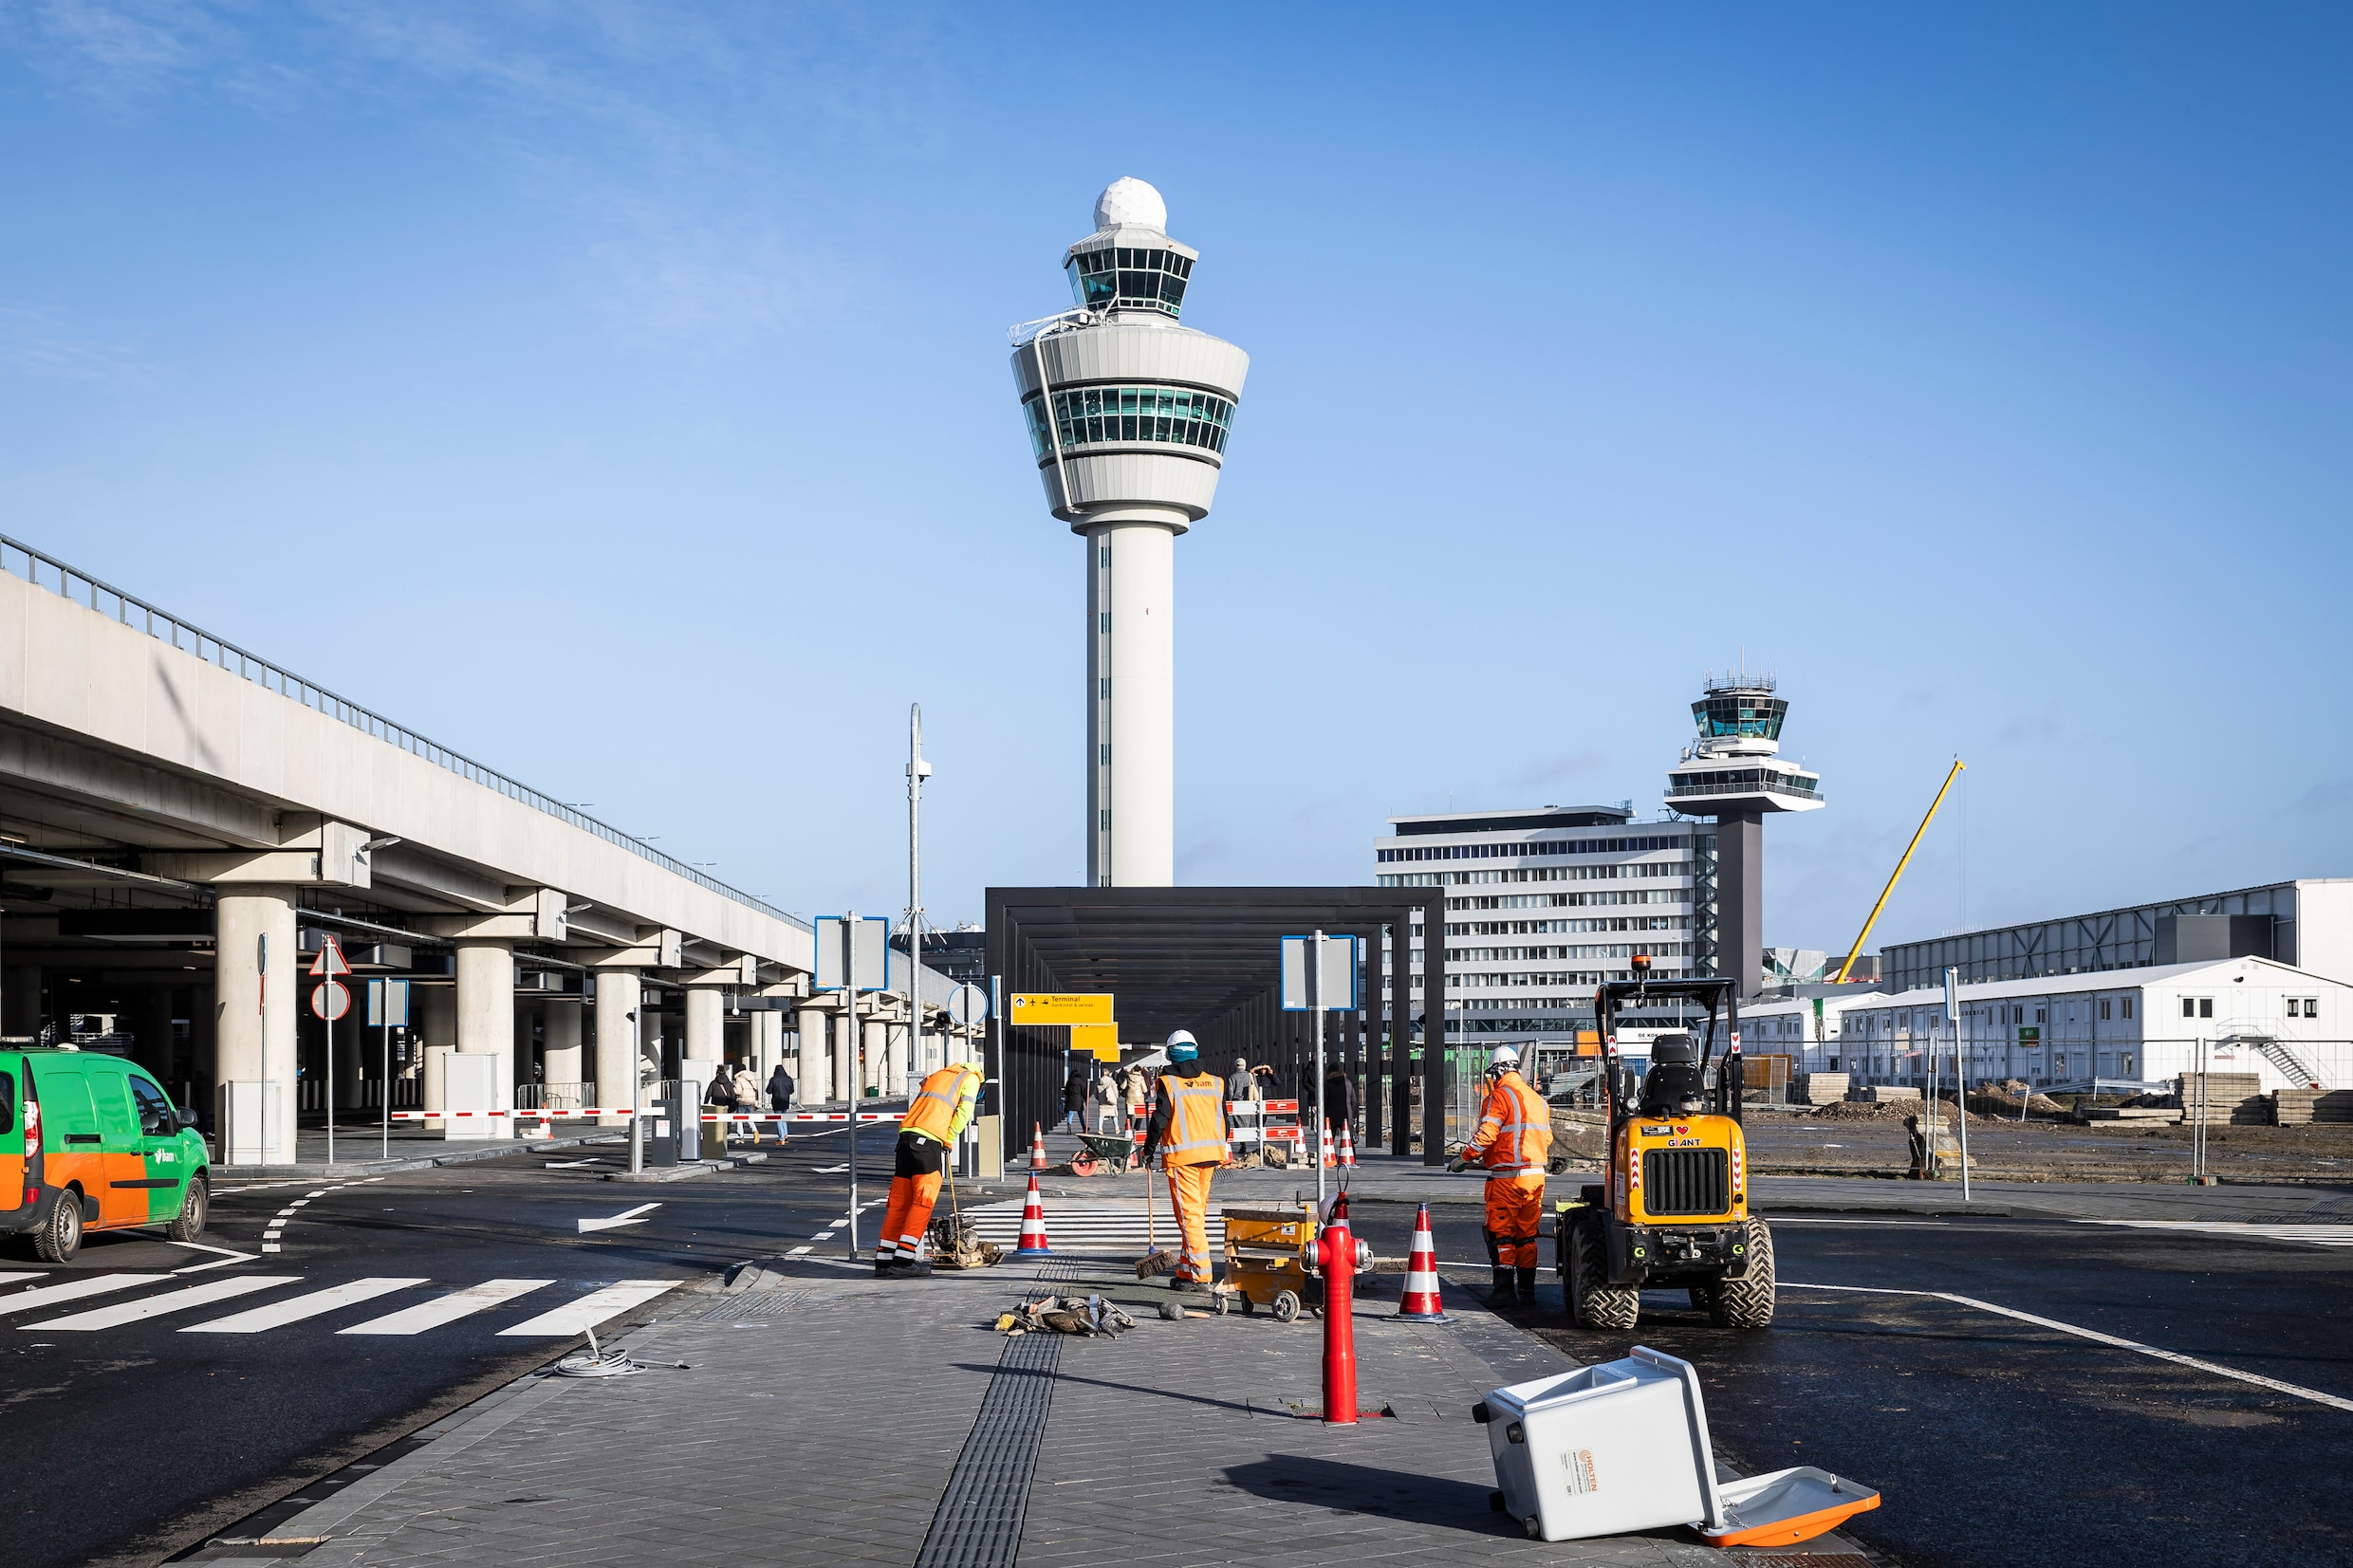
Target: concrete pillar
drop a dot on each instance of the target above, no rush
(204, 1057)
(1131, 666)
(706, 1030)
(151, 1032)
(486, 1021)
(561, 1055)
(20, 1000)
(618, 994)
(875, 1066)
(845, 1056)
(254, 1001)
(767, 1044)
(813, 1078)
(1740, 900)
(436, 1007)
(895, 1042)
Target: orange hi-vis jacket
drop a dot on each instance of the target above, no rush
(1515, 1129)
(943, 1105)
(1196, 1119)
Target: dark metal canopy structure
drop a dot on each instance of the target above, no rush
(1209, 960)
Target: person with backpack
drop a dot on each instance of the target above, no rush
(780, 1097)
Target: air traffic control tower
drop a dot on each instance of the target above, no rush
(1128, 413)
(1734, 773)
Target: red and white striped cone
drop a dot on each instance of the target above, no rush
(1032, 1226)
(1421, 1302)
(1324, 1145)
(1347, 1148)
(1037, 1146)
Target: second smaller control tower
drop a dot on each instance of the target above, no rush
(1734, 773)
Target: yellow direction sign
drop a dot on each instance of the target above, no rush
(1102, 1038)
(1060, 1007)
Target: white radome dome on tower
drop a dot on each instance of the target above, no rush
(1131, 201)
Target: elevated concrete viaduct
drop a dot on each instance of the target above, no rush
(181, 820)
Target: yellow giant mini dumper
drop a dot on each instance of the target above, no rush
(1268, 1257)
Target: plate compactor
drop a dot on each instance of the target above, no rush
(1673, 1209)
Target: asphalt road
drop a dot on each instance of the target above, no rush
(135, 1439)
(1995, 1441)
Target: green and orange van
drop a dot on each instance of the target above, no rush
(91, 1142)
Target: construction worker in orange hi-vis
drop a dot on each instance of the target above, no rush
(1514, 1140)
(1188, 1128)
(942, 1108)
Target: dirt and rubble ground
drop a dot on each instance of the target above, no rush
(1862, 1140)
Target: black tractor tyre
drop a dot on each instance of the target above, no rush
(193, 1210)
(1594, 1302)
(1748, 1301)
(59, 1236)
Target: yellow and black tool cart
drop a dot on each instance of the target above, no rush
(1268, 1258)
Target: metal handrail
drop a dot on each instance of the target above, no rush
(103, 597)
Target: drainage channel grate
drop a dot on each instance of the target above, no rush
(979, 1521)
(749, 1304)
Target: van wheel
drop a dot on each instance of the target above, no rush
(61, 1238)
(1748, 1301)
(1594, 1302)
(193, 1210)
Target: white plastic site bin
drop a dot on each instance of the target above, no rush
(1624, 1446)
(1606, 1449)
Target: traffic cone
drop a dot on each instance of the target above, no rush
(1421, 1302)
(1347, 1148)
(1032, 1226)
(1037, 1146)
(1324, 1145)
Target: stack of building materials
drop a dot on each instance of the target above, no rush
(1882, 1093)
(2233, 1097)
(1819, 1088)
(2293, 1107)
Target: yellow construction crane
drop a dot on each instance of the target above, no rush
(1864, 936)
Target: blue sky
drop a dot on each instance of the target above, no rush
(618, 392)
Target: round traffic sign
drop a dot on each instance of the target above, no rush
(331, 1000)
(967, 1005)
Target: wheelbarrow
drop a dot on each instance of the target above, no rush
(1103, 1155)
(1268, 1257)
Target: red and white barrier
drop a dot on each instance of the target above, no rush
(586, 1111)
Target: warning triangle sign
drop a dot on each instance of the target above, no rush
(330, 960)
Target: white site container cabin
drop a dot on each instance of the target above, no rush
(2290, 1026)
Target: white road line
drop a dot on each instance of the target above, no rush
(1791, 1219)
(2298, 1390)
(228, 1255)
(595, 1307)
(20, 1279)
(2311, 1235)
(448, 1309)
(295, 1308)
(796, 1252)
(170, 1300)
(73, 1290)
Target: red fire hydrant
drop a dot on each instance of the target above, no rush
(1334, 1252)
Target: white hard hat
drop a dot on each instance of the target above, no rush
(1506, 1056)
(1183, 1037)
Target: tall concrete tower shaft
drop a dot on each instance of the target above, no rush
(1734, 773)
(1128, 413)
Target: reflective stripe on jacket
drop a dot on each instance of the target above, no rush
(1196, 1119)
(943, 1105)
(1515, 1129)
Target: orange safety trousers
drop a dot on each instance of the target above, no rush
(907, 1216)
(1514, 1218)
(1188, 1194)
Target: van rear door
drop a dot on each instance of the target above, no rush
(11, 1132)
(73, 1150)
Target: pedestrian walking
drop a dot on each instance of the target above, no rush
(940, 1109)
(1340, 1096)
(780, 1097)
(1188, 1126)
(1514, 1140)
(747, 1100)
(1242, 1083)
(1106, 1103)
(1136, 1092)
(1075, 1090)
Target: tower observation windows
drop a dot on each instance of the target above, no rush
(1128, 278)
(1107, 415)
(1740, 714)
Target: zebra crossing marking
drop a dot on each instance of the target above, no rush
(295, 1308)
(593, 1308)
(2315, 1235)
(72, 1290)
(170, 1300)
(448, 1309)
